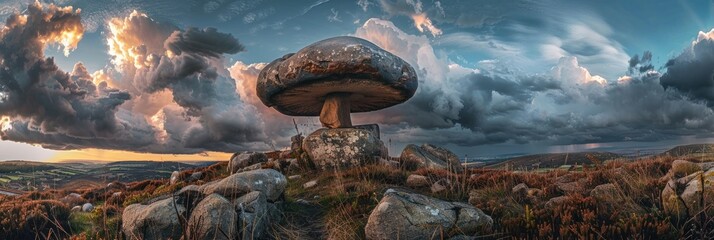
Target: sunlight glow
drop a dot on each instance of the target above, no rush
(115, 155)
(125, 48)
(5, 124)
(422, 22)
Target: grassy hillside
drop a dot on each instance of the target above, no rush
(553, 160)
(28, 175)
(703, 151)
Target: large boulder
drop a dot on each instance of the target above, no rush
(255, 215)
(159, 220)
(415, 180)
(343, 147)
(431, 156)
(684, 197)
(213, 218)
(242, 160)
(402, 215)
(269, 181)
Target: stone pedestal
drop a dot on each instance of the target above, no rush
(343, 147)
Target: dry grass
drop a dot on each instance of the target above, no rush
(339, 206)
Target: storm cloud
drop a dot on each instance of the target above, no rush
(692, 71)
(47, 105)
(170, 89)
(176, 94)
(493, 104)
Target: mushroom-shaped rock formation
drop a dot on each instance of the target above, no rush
(334, 77)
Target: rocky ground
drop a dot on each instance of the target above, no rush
(421, 195)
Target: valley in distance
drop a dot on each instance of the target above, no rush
(20, 176)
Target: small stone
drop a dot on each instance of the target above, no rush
(175, 177)
(87, 207)
(520, 190)
(309, 184)
(556, 201)
(195, 176)
(242, 160)
(294, 177)
(415, 180)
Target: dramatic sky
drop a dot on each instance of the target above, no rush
(175, 79)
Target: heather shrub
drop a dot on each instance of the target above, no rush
(23, 219)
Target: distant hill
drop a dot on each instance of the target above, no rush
(553, 160)
(686, 150)
(30, 175)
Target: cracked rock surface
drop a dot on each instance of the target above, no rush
(689, 187)
(431, 156)
(403, 215)
(343, 147)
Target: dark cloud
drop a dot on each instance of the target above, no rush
(41, 95)
(641, 65)
(207, 42)
(692, 72)
(209, 114)
(493, 104)
(152, 61)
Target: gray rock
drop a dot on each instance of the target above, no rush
(213, 218)
(692, 196)
(401, 215)
(296, 84)
(195, 176)
(343, 147)
(87, 207)
(73, 199)
(76, 209)
(520, 190)
(158, 220)
(685, 197)
(250, 168)
(415, 180)
(272, 183)
(175, 177)
(245, 159)
(556, 201)
(255, 213)
(189, 196)
(431, 156)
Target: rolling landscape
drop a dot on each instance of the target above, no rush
(26, 176)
